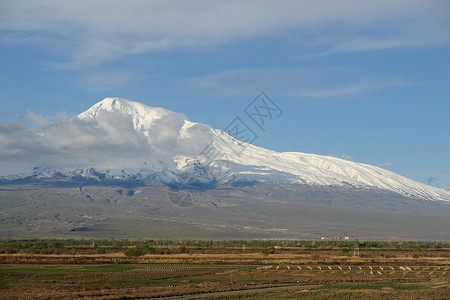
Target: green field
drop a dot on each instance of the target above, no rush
(223, 269)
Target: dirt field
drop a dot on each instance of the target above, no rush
(234, 275)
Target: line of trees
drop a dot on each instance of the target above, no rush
(161, 246)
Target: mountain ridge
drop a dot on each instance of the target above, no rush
(237, 162)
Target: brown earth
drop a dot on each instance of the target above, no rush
(224, 276)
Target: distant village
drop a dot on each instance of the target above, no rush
(334, 238)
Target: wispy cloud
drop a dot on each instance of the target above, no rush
(291, 82)
(365, 44)
(356, 88)
(239, 82)
(95, 32)
(106, 80)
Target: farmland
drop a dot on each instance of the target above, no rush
(99, 269)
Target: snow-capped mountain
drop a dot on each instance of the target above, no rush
(143, 116)
(166, 145)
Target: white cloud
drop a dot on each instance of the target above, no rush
(101, 31)
(108, 141)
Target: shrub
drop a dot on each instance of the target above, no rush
(100, 250)
(267, 251)
(345, 250)
(183, 249)
(133, 252)
(151, 250)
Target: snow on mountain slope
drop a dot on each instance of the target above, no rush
(143, 116)
(241, 161)
(291, 167)
(174, 145)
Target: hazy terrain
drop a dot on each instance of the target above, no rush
(67, 208)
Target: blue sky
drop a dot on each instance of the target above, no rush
(362, 80)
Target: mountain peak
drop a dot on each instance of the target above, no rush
(128, 107)
(143, 116)
(135, 140)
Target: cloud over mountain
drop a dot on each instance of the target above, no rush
(128, 140)
(110, 140)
